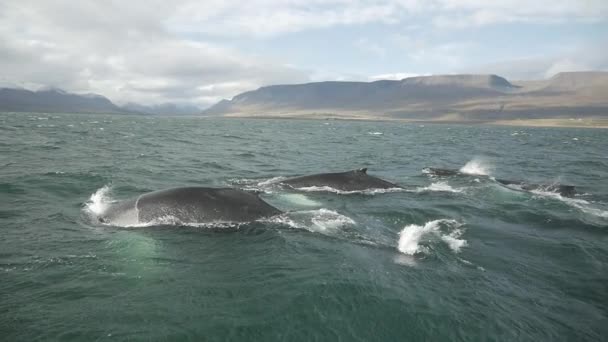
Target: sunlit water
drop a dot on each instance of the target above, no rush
(445, 258)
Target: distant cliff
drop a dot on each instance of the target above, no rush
(54, 101)
(440, 98)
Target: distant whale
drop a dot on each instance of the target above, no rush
(562, 189)
(440, 172)
(191, 205)
(355, 180)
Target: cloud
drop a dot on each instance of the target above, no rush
(368, 46)
(583, 58)
(144, 51)
(397, 76)
(565, 65)
(477, 13)
(264, 18)
(123, 52)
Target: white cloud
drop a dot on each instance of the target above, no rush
(370, 47)
(582, 58)
(138, 51)
(123, 52)
(476, 13)
(264, 18)
(396, 76)
(565, 65)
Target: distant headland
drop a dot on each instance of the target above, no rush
(575, 99)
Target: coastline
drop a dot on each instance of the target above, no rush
(592, 122)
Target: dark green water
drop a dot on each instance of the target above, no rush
(459, 258)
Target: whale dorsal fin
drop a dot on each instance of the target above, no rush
(363, 170)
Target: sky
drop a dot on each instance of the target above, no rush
(199, 52)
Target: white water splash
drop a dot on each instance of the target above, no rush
(99, 201)
(271, 181)
(448, 231)
(476, 167)
(300, 200)
(350, 192)
(323, 220)
(439, 186)
(580, 204)
(375, 133)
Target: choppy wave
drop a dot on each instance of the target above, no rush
(415, 239)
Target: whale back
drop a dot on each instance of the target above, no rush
(355, 180)
(190, 205)
(562, 189)
(440, 172)
(199, 204)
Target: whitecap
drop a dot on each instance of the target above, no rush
(375, 133)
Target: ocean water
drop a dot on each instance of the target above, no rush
(446, 258)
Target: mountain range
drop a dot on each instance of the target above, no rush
(59, 101)
(472, 98)
(441, 98)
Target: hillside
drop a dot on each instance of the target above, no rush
(429, 98)
(54, 101)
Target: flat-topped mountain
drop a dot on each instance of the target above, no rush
(442, 97)
(54, 101)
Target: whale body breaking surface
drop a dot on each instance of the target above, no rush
(355, 180)
(190, 205)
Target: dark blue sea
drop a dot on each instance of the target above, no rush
(459, 258)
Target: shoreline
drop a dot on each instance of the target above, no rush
(595, 123)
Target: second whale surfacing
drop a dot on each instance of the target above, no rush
(190, 205)
(355, 180)
(561, 189)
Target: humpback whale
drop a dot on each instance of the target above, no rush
(562, 189)
(440, 172)
(355, 180)
(190, 205)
